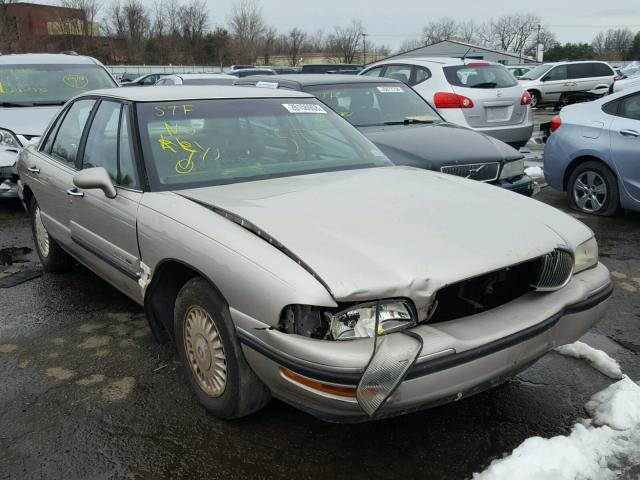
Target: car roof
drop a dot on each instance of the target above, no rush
(301, 80)
(198, 76)
(46, 58)
(421, 60)
(195, 92)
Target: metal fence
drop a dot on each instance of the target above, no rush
(119, 70)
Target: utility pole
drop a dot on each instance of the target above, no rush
(538, 44)
(364, 48)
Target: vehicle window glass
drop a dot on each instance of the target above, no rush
(421, 74)
(65, 146)
(127, 173)
(366, 104)
(481, 76)
(46, 147)
(557, 73)
(150, 80)
(580, 70)
(611, 108)
(29, 85)
(630, 107)
(398, 72)
(374, 72)
(212, 142)
(101, 149)
(537, 72)
(602, 70)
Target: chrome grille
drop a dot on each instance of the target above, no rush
(483, 172)
(555, 270)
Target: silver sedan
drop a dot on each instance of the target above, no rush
(285, 255)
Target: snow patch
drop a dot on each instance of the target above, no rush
(617, 406)
(597, 358)
(536, 173)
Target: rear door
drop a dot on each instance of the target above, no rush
(495, 93)
(603, 74)
(625, 144)
(105, 228)
(580, 76)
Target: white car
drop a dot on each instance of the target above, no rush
(476, 94)
(625, 84)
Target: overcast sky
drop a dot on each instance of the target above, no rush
(391, 21)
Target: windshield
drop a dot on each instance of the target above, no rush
(479, 76)
(368, 104)
(29, 85)
(211, 142)
(536, 72)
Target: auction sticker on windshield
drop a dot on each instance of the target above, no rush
(303, 108)
(390, 89)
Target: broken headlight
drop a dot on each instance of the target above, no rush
(512, 169)
(586, 255)
(8, 139)
(359, 321)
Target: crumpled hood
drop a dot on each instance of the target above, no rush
(30, 121)
(395, 231)
(434, 146)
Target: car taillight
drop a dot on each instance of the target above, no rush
(616, 78)
(525, 99)
(555, 124)
(478, 64)
(451, 100)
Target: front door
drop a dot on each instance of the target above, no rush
(625, 144)
(556, 83)
(105, 228)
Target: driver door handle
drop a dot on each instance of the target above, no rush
(74, 192)
(34, 169)
(629, 133)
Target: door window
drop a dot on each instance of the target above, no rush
(150, 80)
(101, 149)
(557, 73)
(374, 72)
(420, 75)
(65, 146)
(398, 72)
(630, 107)
(580, 70)
(602, 70)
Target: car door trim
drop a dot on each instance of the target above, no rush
(95, 251)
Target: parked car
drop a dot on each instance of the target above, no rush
(475, 94)
(553, 83)
(625, 83)
(519, 70)
(285, 255)
(146, 80)
(346, 68)
(127, 77)
(592, 154)
(408, 130)
(197, 79)
(245, 72)
(32, 89)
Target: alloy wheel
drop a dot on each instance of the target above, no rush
(590, 191)
(42, 237)
(205, 352)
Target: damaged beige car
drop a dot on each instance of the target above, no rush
(285, 255)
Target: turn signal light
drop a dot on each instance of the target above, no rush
(525, 99)
(555, 124)
(338, 390)
(451, 100)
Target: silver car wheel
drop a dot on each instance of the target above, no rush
(205, 352)
(42, 237)
(590, 191)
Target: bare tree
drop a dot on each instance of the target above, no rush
(410, 44)
(344, 41)
(468, 31)
(129, 22)
(193, 19)
(439, 30)
(247, 27)
(614, 44)
(511, 33)
(292, 45)
(268, 43)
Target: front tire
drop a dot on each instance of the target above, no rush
(211, 354)
(535, 98)
(593, 189)
(53, 258)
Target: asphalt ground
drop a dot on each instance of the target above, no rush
(85, 392)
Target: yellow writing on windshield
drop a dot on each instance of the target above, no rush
(21, 91)
(75, 81)
(1, 88)
(172, 110)
(176, 140)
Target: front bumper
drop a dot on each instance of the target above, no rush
(523, 184)
(8, 173)
(459, 358)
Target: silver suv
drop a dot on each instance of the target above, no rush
(550, 82)
(476, 94)
(32, 89)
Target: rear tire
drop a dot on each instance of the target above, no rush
(535, 98)
(53, 258)
(211, 354)
(593, 189)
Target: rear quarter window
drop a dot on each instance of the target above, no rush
(484, 76)
(602, 70)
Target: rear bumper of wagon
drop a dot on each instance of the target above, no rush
(453, 364)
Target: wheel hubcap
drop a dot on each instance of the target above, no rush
(205, 352)
(42, 237)
(590, 191)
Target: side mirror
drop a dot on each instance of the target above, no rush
(96, 177)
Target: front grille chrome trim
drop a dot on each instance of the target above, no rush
(482, 172)
(555, 271)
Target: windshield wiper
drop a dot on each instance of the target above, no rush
(485, 85)
(412, 120)
(15, 104)
(49, 103)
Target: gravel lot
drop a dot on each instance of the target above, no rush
(86, 393)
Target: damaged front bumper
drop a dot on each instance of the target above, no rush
(458, 357)
(8, 173)
(523, 184)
